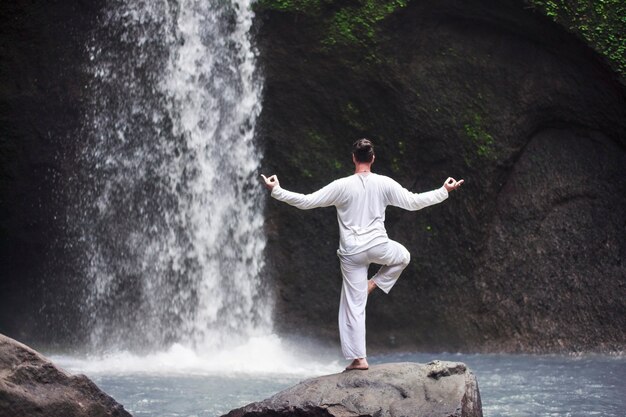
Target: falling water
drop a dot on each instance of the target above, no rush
(169, 213)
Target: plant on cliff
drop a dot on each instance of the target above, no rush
(346, 22)
(356, 23)
(299, 6)
(601, 23)
(483, 141)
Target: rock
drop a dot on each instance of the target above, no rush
(31, 385)
(43, 78)
(394, 390)
(488, 91)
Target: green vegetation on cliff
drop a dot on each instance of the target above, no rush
(601, 23)
(354, 25)
(298, 6)
(347, 23)
(476, 131)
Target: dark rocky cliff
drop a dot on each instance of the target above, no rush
(528, 255)
(42, 82)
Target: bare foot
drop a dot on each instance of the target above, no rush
(358, 364)
(371, 286)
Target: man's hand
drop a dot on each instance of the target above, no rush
(271, 182)
(452, 184)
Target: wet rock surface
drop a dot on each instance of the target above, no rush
(387, 390)
(31, 385)
(42, 107)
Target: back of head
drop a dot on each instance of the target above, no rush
(363, 150)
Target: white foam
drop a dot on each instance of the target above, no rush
(263, 355)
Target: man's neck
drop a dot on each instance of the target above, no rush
(362, 167)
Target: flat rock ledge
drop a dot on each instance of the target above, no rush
(406, 389)
(31, 385)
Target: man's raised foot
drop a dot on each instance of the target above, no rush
(371, 286)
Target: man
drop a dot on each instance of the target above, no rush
(361, 200)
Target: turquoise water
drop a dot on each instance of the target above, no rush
(510, 385)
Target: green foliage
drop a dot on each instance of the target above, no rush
(601, 23)
(352, 116)
(355, 24)
(315, 138)
(475, 130)
(309, 157)
(347, 23)
(299, 6)
(395, 161)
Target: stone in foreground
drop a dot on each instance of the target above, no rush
(31, 385)
(438, 388)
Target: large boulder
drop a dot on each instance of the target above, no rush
(31, 385)
(388, 390)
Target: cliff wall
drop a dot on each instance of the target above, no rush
(527, 256)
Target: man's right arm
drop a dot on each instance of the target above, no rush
(324, 197)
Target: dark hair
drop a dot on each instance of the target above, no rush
(363, 150)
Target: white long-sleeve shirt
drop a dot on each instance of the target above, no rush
(361, 200)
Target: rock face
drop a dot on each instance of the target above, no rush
(528, 255)
(43, 49)
(31, 385)
(389, 390)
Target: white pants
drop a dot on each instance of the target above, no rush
(394, 257)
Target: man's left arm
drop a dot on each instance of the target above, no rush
(401, 197)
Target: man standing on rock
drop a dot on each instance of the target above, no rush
(361, 200)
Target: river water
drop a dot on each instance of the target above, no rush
(181, 383)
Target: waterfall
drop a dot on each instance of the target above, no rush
(169, 206)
